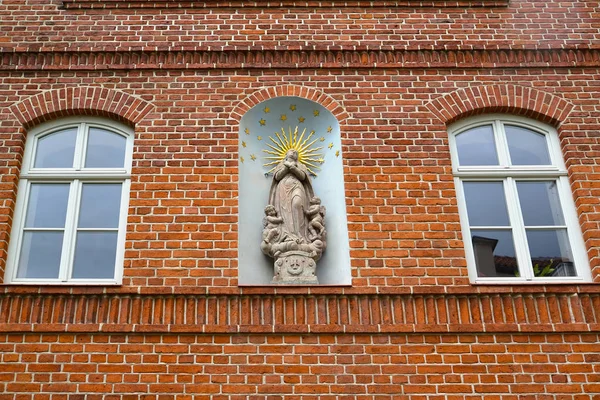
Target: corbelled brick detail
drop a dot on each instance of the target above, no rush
(534, 312)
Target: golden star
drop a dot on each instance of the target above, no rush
(330, 145)
(283, 117)
(329, 129)
(259, 137)
(293, 107)
(316, 113)
(252, 157)
(262, 122)
(322, 139)
(337, 153)
(267, 110)
(247, 131)
(243, 144)
(301, 119)
(242, 159)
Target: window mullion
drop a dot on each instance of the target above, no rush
(519, 234)
(80, 147)
(66, 265)
(501, 143)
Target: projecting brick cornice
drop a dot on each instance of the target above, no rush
(122, 4)
(80, 101)
(475, 313)
(502, 98)
(289, 90)
(296, 58)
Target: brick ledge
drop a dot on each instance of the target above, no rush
(83, 60)
(177, 4)
(536, 312)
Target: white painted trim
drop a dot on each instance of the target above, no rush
(510, 175)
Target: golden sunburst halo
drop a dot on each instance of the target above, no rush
(282, 142)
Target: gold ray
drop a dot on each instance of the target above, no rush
(282, 141)
(278, 149)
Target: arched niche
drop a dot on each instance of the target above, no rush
(267, 127)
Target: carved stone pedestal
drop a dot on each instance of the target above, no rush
(295, 267)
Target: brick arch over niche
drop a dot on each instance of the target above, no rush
(79, 101)
(290, 91)
(518, 100)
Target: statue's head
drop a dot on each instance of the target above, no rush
(292, 154)
(315, 200)
(270, 210)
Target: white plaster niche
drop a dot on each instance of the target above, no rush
(274, 126)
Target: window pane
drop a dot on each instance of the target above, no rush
(526, 147)
(40, 255)
(105, 149)
(550, 253)
(95, 254)
(47, 206)
(486, 205)
(540, 204)
(56, 150)
(495, 253)
(477, 147)
(100, 205)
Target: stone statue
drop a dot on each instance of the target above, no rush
(293, 228)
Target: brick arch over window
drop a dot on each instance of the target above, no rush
(290, 90)
(510, 99)
(78, 101)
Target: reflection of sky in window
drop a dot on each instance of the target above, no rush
(526, 147)
(56, 150)
(476, 146)
(539, 203)
(549, 244)
(486, 205)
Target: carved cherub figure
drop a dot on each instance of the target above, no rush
(271, 224)
(316, 214)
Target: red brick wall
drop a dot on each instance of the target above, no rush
(411, 324)
(510, 366)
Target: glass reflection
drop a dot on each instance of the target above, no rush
(56, 150)
(526, 147)
(550, 253)
(494, 253)
(95, 254)
(105, 149)
(477, 146)
(100, 205)
(540, 204)
(40, 255)
(486, 205)
(47, 207)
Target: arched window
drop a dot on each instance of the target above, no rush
(70, 218)
(517, 212)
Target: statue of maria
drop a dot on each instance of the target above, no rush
(293, 228)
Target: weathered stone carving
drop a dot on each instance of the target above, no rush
(293, 227)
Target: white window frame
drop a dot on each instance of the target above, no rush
(507, 174)
(75, 176)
